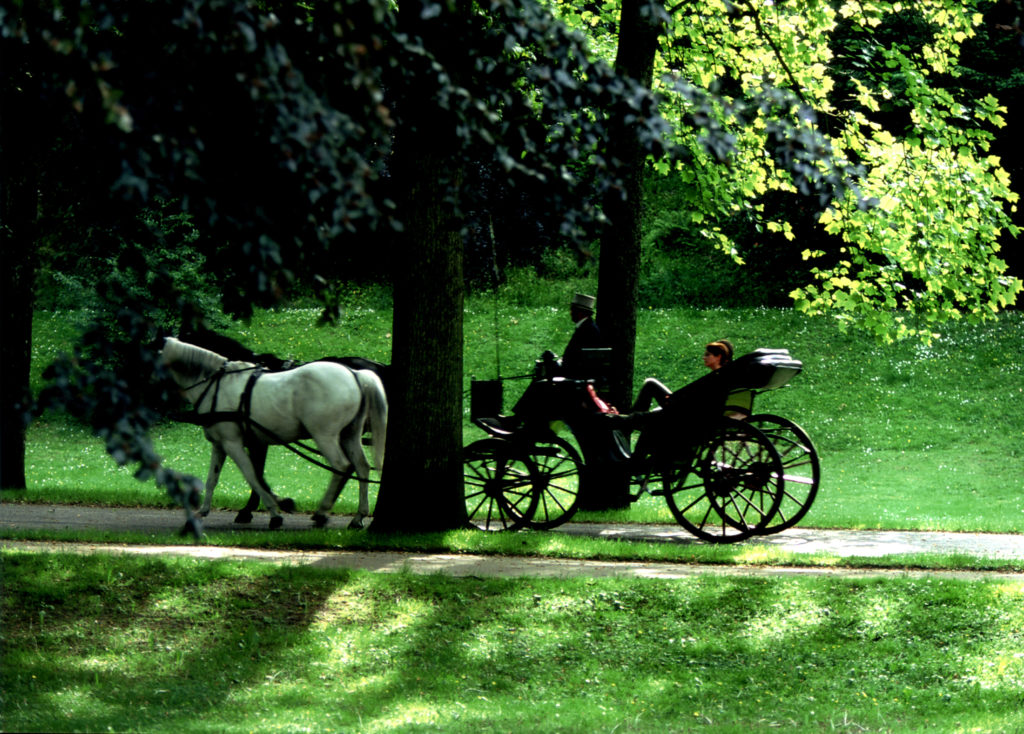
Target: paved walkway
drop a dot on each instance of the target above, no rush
(844, 543)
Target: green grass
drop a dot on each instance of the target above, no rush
(910, 437)
(113, 643)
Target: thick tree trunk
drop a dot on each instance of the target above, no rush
(619, 269)
(19, 195)
(15, 353)
(421, 486)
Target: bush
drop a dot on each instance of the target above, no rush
(156, 257)
(682, 266)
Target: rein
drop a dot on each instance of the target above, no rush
(214, 382)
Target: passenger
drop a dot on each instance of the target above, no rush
(717, 354)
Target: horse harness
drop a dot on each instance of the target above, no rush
(243, 416)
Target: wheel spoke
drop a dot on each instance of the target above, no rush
(736, 478)
(558, 464)
(801, 469)
(500, 486)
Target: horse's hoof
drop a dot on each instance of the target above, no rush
(356, 524)
(276, 521)
(243, 517)
(286, 505)
(319, 520)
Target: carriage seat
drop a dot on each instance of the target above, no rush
(762, 369)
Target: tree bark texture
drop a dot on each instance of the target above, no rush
(19, 196)
(619, 268)
(421, 486)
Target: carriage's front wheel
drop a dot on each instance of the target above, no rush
(800, 465)
(731, 487)
(500, 485)
(558, 464)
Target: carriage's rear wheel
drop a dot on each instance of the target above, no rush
(800, 466)
(558, 465)
(500, 485)
(730, 489)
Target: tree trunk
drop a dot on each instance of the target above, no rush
(619, 269)
(421, 487)
(19, 196)
(15, 350)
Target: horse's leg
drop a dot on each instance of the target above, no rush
(352, 445)
(258, 457)
(217, 456)
(238, 454)
(341, 457)
(334, 487)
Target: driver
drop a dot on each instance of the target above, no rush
(585, 335)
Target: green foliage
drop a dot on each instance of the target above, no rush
(681, 266)
(914, 242)
(276, 161)
(113, 643)
(167, 260)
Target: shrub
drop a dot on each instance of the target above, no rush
(683, 266)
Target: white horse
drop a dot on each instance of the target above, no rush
(325, 401)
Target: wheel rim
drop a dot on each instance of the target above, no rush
(558, 466)
(731, 488)
(499, 486)
(800, 465)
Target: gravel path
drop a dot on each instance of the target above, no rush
(845, 543)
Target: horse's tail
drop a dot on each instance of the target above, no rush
(376, 412)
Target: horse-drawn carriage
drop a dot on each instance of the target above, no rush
(724, 479)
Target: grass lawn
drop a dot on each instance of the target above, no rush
(114, 643)
(910, 437)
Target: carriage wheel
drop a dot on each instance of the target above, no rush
(500, 485)
(801, 469)
(558, 464)
(730, 489)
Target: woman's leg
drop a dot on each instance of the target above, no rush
(651, 390)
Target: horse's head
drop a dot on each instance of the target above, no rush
(187, 363)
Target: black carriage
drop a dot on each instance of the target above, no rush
(724, 479)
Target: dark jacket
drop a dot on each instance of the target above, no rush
(586, 336)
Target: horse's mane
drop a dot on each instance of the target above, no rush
(190, 358)
(232, 349)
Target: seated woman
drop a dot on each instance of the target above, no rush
(717, 354)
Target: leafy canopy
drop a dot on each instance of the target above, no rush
(856, 102)
(272, 126)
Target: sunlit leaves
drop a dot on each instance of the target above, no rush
(922, 222)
